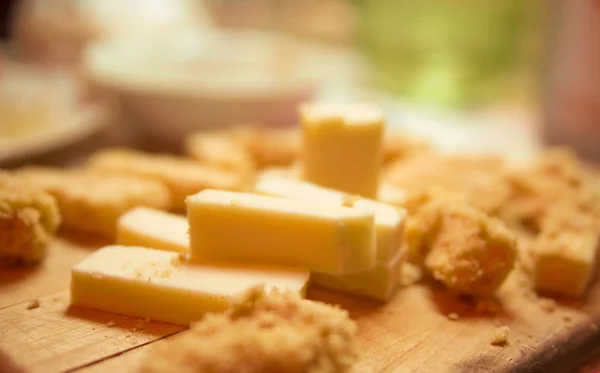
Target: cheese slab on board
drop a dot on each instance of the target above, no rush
(389, 220)
(247, 227)
(392, 195)
(378, 283)
(152, 228)
(158, 285)
(343, 147)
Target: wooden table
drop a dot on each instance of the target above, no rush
(412, 333)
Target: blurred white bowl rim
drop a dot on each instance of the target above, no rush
(233, 63)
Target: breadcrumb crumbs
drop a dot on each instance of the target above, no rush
(33, 304)
(263, 332)
(500, 336)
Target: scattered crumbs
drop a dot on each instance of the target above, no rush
(547, 304)
(128, 336)
(111, 323)
(453, 316)
(137, 273)
(567, 318)
(497, 322)
(149, 278)
(500, 336)
(179, 259)
(33, 304)
(530, 336)
(165, 273)
(487, 305)
(93, 328)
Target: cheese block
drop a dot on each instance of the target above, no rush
(159, 285)
(392, 195)
(378, 283)
(156, 229)
(253, 228)
(343, 147)
(389, 221)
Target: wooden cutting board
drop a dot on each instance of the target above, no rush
(411, 333)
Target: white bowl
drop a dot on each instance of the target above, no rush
(206, 79)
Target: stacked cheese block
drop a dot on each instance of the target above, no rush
(327, 223)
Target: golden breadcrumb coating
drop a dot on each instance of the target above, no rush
(270, 146)
(221, 149)
(398, 145)
(557, 177)
(93, 203)
(275, 332)
(480, 179)
(420, 226)
(28, 219)
(182, 176)
(469, 252)
(500, 336)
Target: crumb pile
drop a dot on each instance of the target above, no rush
(28, 219)
(263, 332)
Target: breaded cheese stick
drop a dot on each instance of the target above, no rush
(92, 203)
(270, 146)
(28, 219)
(182, 176)
(262, 332)
(469, 252)
(221, 149)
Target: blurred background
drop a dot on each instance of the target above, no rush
(496, 76)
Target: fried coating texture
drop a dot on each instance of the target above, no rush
(92, 203)
(399, 146)
(182, 176)
(270, 146)
(480, 179)
(276, 332)
(556, 178)
(221, 149)
(468, 251)
(28, 219)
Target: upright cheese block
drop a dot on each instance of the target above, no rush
(343, 147)
(158, 285)
(389, 221)
(156, 229)
(378, 283)
(264, 229)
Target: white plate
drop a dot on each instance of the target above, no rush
(82, 124)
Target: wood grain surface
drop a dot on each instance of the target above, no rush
(411, 333)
